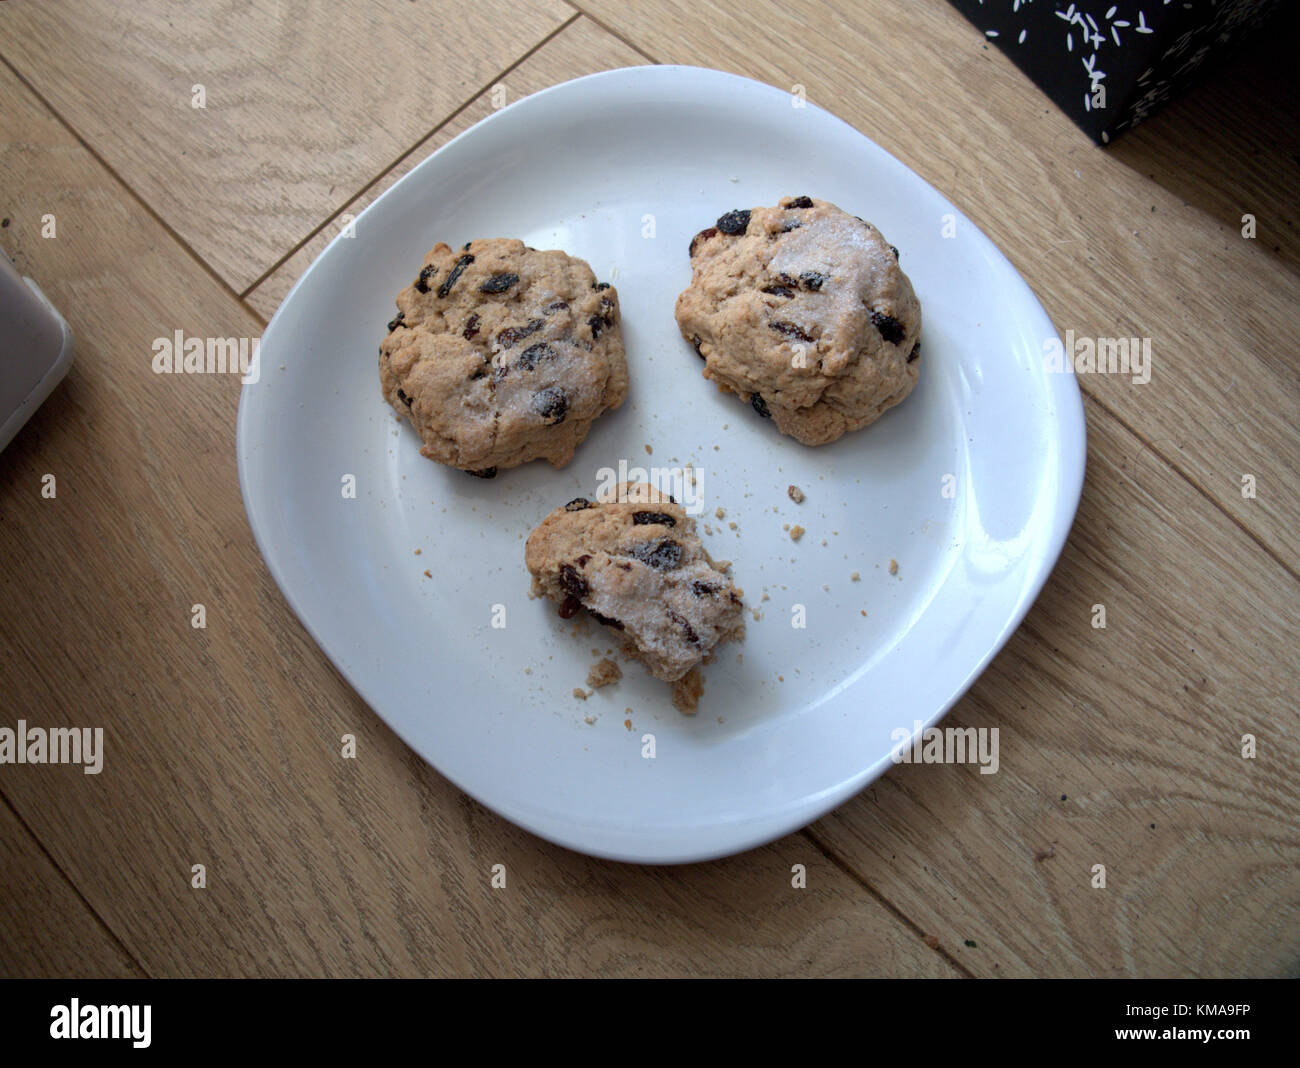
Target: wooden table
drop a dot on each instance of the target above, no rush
(1120, 746)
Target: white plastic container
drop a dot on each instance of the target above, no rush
(35, 349)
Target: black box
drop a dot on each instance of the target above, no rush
(1109, 63)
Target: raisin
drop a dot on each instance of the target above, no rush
(512, 335)
(696, 342)
(640, 519)
(597, 324)
(570, 607)
(734, 222)
(789, 330)
(552, 404)
(422, 283)
(498, 283)
(890, 328)
(759, 405)
(606, 310)
(916, 351)
(574, 584)
(703, 589)
(813, 280)
(605, 619)
(557, 306)
(790, 224)
(401, 396)
(584, 560)
(662, 556)
(456, 272)
(529, 358)
(396, 321)
(600, 285)
(703, 235)
(486, 472)
(895, 252)
(800, 202)
(682, 622)
(578, 504)
(779, 291)
(467, 245)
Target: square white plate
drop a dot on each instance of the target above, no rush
(804, 721)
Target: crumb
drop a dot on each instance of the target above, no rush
(863, 612)
(932, 941)
(765, 597)
(528, 671)
(579, 693)
(428, 573)
(893, 566)
(417, 552)
(796, 532)
(855, 577)
(1047, 853)
(795, 494)
(603, 673)
(785, 526)
(732, 525)
(720, 512)
(780, 678)
(687, 691)
(708, 529)
(648, 450)
(589, 720)
(627, 723)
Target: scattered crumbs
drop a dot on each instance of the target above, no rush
(528, 671)
(732, 525)
(823, 541)
(648, 449)
(796, 532)
(603, 674)
(1047, 853)
(932, 941)
(863, 612)
(855, 577)
(627, 723)
(417, 552)
(785, 526)
(589, 720)
(893, 566)
(708, 529)
(428, 573)
(795, 494)
(687, 691)
(720, 512)
(765, 597)
(826, 588)
(579, 693)
(756, 614)
(970, 944)
(780, 678)
(716, 449)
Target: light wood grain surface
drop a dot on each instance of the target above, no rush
(1119, 746)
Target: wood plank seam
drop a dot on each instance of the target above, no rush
(885, 903)
(613, 32)
(225, 286)
(1155, 450)
(113, 936)
(397, 162)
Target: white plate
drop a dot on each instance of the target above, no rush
(805, 720)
